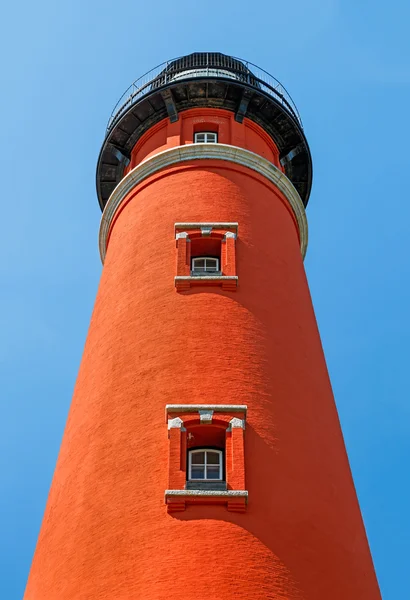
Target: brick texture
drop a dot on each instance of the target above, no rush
(106, 533)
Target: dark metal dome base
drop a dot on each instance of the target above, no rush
(168, 95)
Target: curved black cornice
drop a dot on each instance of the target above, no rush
(210, 80)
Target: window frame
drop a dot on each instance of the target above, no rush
(226, 233)
(206, 134)
(205, 272)
(220, 453)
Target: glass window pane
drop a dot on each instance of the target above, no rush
(198, 472)
(206, 136)
(212, 472)
(212, 458)
(199, 262)
(197, 458)
(211, 264)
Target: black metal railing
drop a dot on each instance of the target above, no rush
(198, 65)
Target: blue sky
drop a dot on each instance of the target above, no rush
(347, 67)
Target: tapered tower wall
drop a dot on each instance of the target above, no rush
(107, 533)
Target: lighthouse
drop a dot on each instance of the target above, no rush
(203, 456)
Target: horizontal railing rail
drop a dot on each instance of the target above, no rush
(203, 65)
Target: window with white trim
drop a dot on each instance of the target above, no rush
(205, 465)
(206, 137)
(203, 265)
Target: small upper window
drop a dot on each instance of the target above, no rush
(204, 264)
(206, 137)
(205, 465)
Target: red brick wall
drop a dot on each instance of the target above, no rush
(106, 533)
(168, 135)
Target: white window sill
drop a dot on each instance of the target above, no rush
(234, 500)
(206, 277)
(227, 282)
(215, 493)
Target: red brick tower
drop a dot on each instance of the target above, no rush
(203, 456)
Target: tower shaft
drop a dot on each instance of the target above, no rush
(182, 364)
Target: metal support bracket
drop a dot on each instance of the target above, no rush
(170, 105)
(243, 105)
(291, 155)
(120, 156)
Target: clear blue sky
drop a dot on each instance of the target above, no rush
(346, 64)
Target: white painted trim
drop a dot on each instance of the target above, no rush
(236, 423)
(205, 277)
(215, 493)
(206, 134)
(205, 259)
(188, 408)
(205, 465)
(205, 416)
(176, 423)
(213, 225)
(182, 234)
(189, 152)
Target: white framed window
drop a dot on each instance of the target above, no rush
(205, 264)
(206, 137)
(205, 465)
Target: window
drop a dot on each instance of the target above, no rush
(206, 255)
(205, 264)
(205, 465)
(206, 456)
(207, 137)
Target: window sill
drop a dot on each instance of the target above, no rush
(227, 282)
(235, 500)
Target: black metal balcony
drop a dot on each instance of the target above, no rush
(204, 79)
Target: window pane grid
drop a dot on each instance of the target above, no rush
(205, 265)
(212, 458)
(212, 472)
(198, 458)
(207, 137)
(210, 467)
